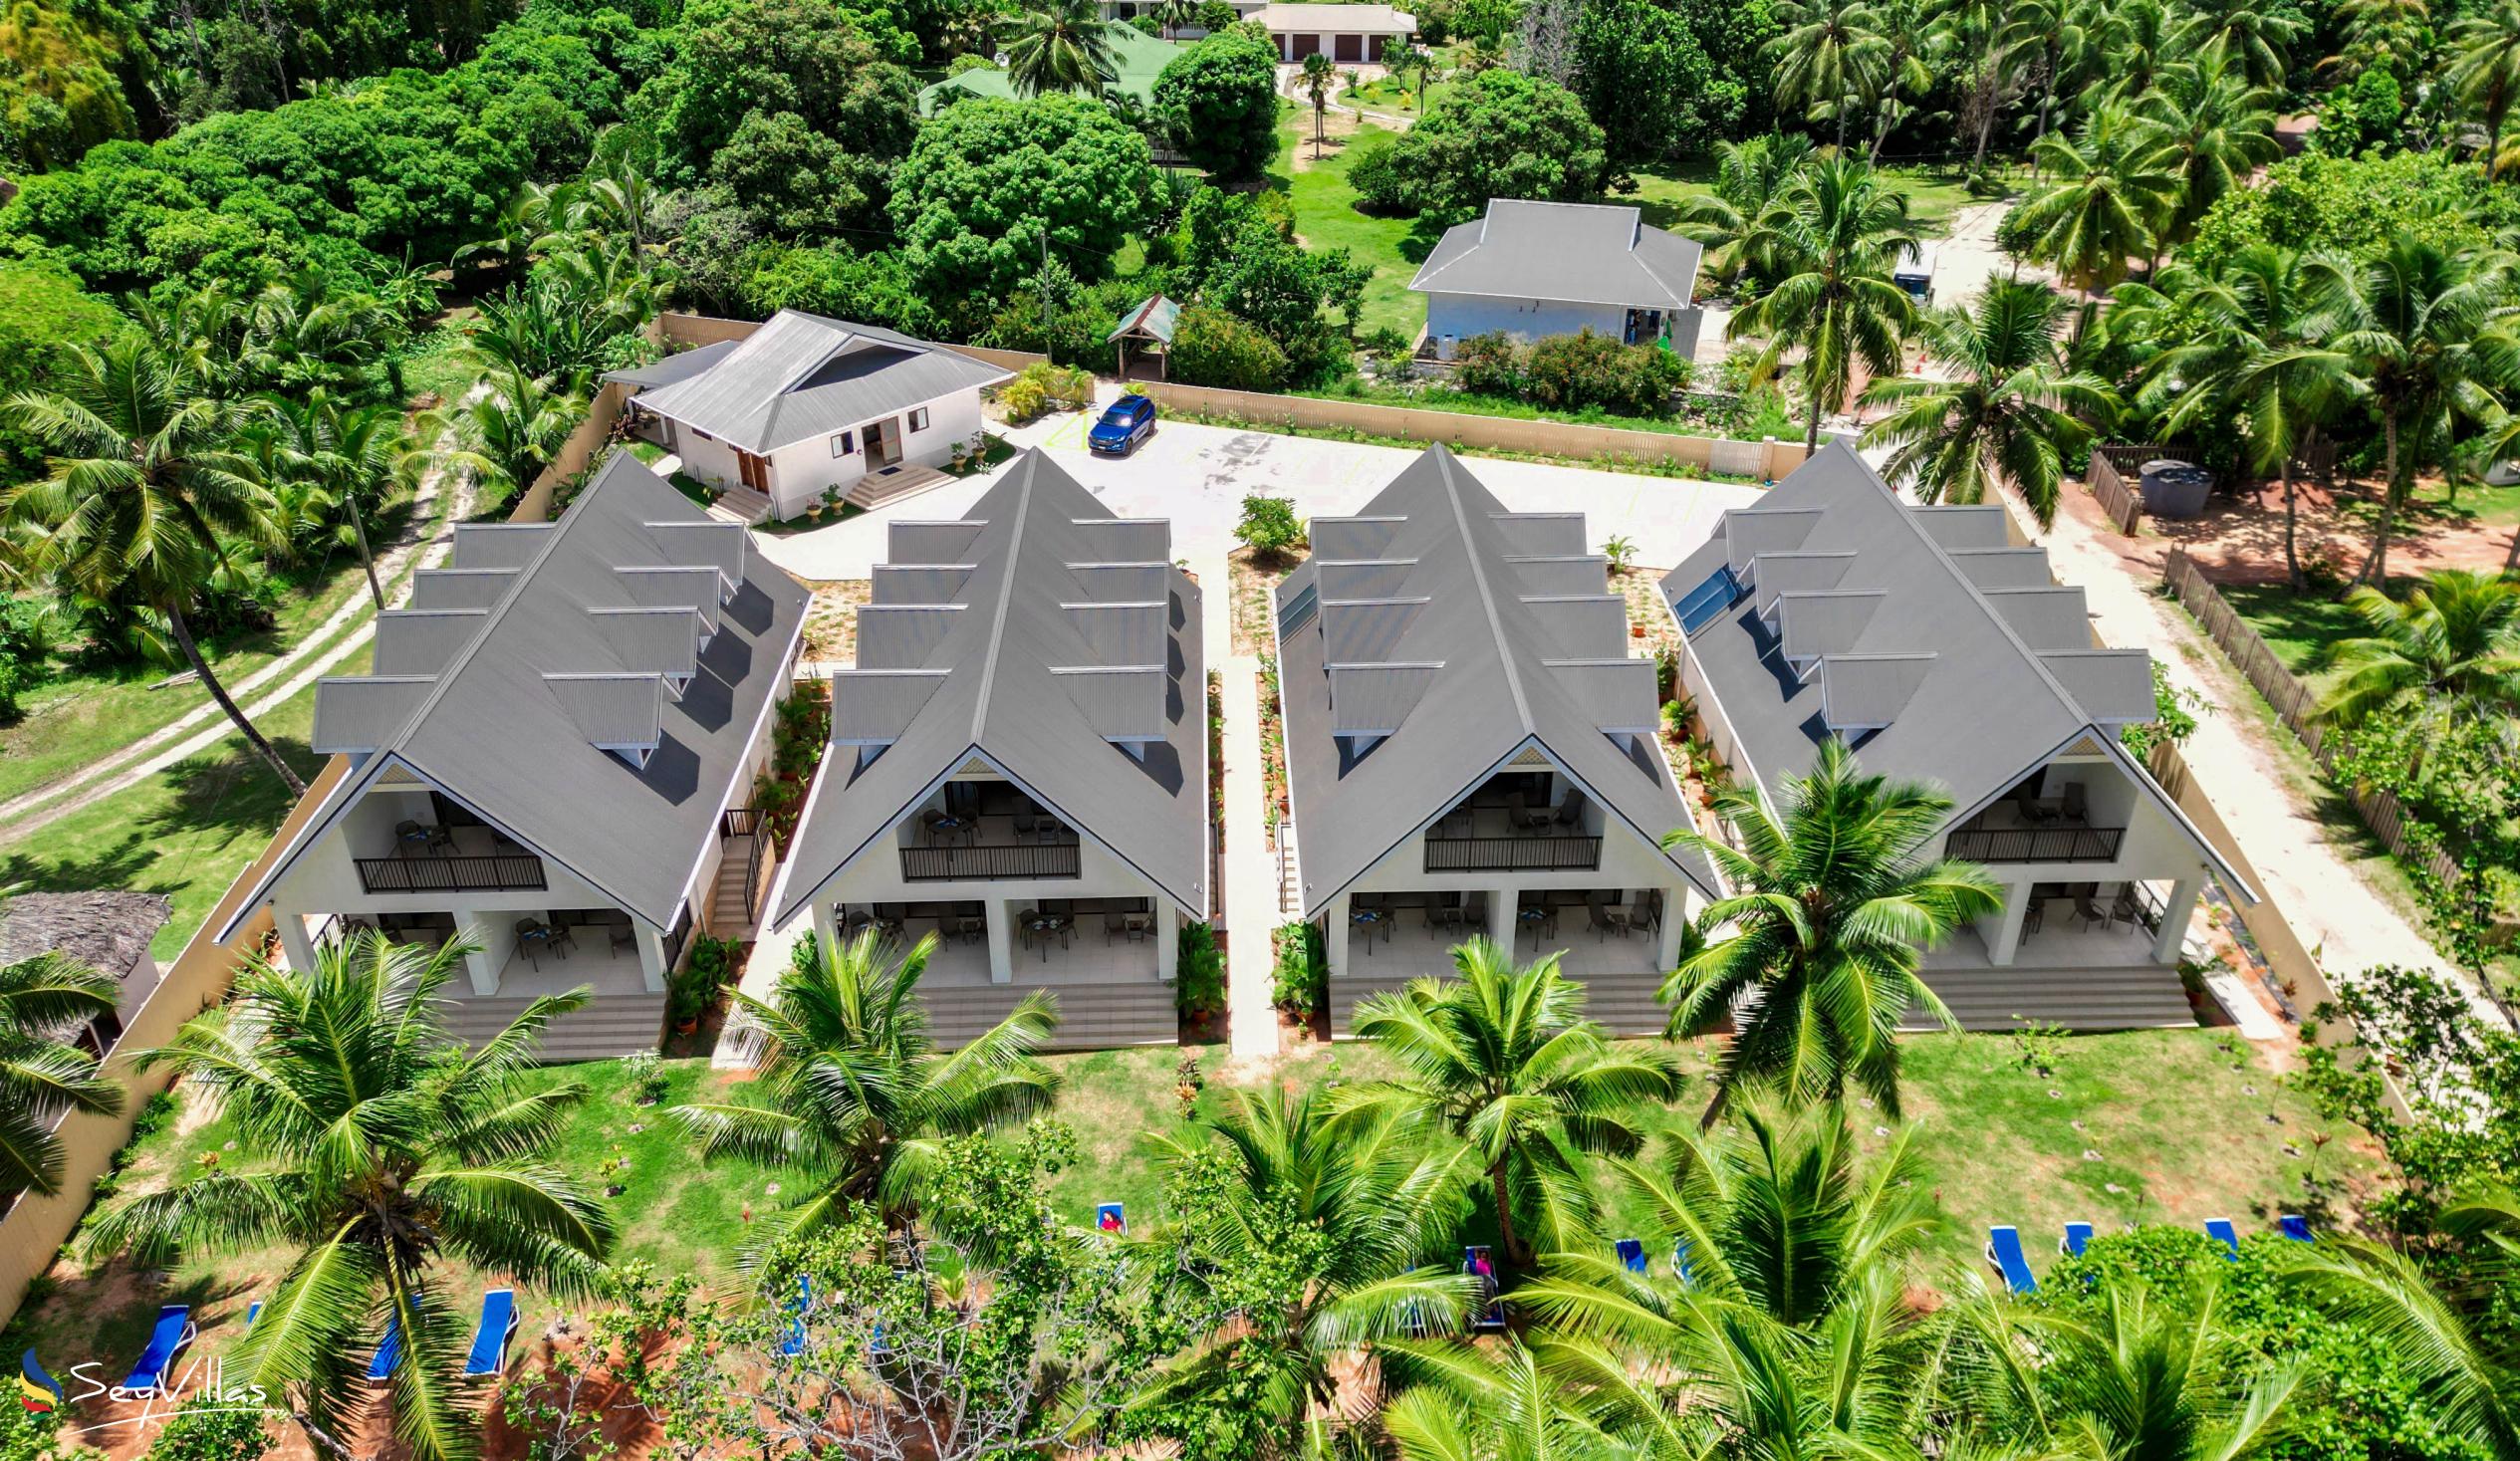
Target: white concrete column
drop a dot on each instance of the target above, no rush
(1333, 939)
(1666, 953)
(827, 925)
(1501, 904)
(294, 943)
(491, 947)
(2181, 907)
(2001, 949)
(652, 958)
(1001, 941)
(1168, 924)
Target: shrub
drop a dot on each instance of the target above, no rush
(1489, 365)
(1147, 25)
(969, 61)
(1198, 978)
(1042, 386)
(1269, 525)
(1574, 371)
(1300, 984)
(1216, 15)
(210, 1428)
(1212, 348)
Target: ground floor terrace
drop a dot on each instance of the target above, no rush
(1616, 941)
(1108, 963)
(2081, 955)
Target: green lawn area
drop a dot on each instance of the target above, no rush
(1137, 57)
(436, 364)
(1933, 193)
(1327, 217)
(2298, 627)
(2184, 1124)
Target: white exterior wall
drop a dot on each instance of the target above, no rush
(1465, 314)
(2155, 849)
(800, 472)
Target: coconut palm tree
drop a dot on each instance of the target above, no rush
(2452, 644)
(2002, 409)
(374, 1149)
(1833, 240)
(2250, 37)
(1173, 15)
(2138, 45)
(853, 1091)
(1059, 46)
(1365, 1204)
(147, 488)
(2216, 129)
(1835, 904)
(522, 228)
(2110, 183)
(42, 1074)
(1503, 1058)
(1318, 76)
(508, 435)
(2409, 321)
(1831, 59)
(2484, 71)
(345, 453)
(1750, 178)
(622, 202)
(1496, 1404)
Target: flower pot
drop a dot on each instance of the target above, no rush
(1636, 632)
(687, 1025)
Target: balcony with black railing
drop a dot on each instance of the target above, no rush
(2047, 843)
(432, 873)
(990, 862)
(1538, 854)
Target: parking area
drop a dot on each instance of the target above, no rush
(1197, 476)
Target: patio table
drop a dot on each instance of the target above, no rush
(1535, 919)
(1368, 919)
(1041, 928)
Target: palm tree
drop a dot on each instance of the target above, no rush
(2453, 645)
(2250, 37)
(625, 203)
(2138, 45)
(2408, 323)
(377, 1148)
(1400, 58)
(1831, 59)
(1059, 46)
(1504, 1059)
(42, 1074)
(344, 453)
(1834, 238)
(1319, 75)
(2002, 412)
(2110, 183)
(145, 488)
(510, 433)
(298, 339)
(2217, 129)
(1173, 15)
(2484, 71)
(853, 1089)
(1501, 1403)
(522, 228)
(1750, 178)
(1367, 1204)
(1835, 904)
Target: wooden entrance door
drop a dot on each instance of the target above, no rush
(755, 470)
(884, 444)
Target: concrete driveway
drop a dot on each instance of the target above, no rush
(1197, 476)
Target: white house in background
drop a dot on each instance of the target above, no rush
(805, 405)
(1152, 10)
(1473, 750)
(1019, 764)
(1532, 270)
(543, 761)
(1352, 35)
(1941, 651)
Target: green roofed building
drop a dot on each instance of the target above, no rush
(1141, 59)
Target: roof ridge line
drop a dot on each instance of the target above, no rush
(1005, 595)
(1488, 596)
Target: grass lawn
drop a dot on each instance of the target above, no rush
(2299, 627)
(1933, 193)
(1327, 217)
(1435, 397)
(436, 364)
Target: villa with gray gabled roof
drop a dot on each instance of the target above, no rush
(1939, 648)
(1530, 270)
(1472, 749)
(1019, 764)
(551, 738)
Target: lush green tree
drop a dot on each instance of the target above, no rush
(1218, 104)
(1832, 60)
(377, 1148)
(1323, 1233)
(793, 182)
(1213, 348)
(2112, 185)
(1835, 904)
(43, 312)
(1628, 49)
(2218, 128)
(508, 434)
(42, 1076)
(1995, 406)
(1740, 97)
(1750, 178)
(2319, 204)
(811, 58)
(65, 88)
(343, 455)
(1501, 1402)
(146, 492)
(1059, 46)
(876, 287)
(1503, 1058)
(993, 186)
(1240, 251)
(1496, 134)
(2485, 70)
(2250, 37)
(853, 1089)
(1832, 241)
(2450, 646)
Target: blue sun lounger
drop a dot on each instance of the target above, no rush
(1632, 1256)
(1480, 1264)
(253, 1311)
(1111, 1218)
(794, 1344)
(2078, 1236)
(2295, 1228)
(2221, 1231)
(2003, 1249)
(1680, 1268)
(380, 1364)
(490, 1336)
(168, 1338)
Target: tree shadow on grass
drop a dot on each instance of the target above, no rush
(231, 791)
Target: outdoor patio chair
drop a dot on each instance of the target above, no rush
(490, 1336)
(970, 929)
(2125, 908)
(1570, 812)
(1681, 1268)
(1480, 1262)
(1518, 813)
(2076, 804)
(2089, 914)
(2221, 1231)
(388, 1353)
(2003, 1250)
(2295, 1227)
(2078, 1236)
(528, 937)
(168, 1338)
(1632, 1256)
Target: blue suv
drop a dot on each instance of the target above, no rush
(1131, 419)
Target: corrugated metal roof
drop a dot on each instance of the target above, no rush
(804, 376)
(1348, 19)
(1576, 253)
(1154, 316)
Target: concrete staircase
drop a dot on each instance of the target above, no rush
(608, 1027)
(901, 479)
(1623, 1004)
(741, 505)
(730, 897)
(1091, 1016)
(2079, 999)
(1290, 872)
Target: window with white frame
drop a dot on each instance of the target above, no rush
(918, 419)
(844, 443)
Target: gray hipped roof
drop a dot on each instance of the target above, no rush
(1047, 636)
(576, 707)
(1460, 634)
(800, 377)
(1579, 253)
(1938, 649)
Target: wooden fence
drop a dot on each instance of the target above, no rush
(1766, 460)
(34, 1228)
(2295, 705)
(2117, 502)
